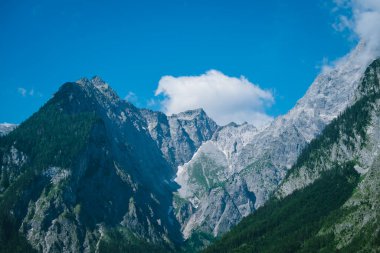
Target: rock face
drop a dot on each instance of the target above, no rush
(329, 200)
(361, 143)
(6, 128)
(260, 159)
(354, 137)
(90, 170)
(180, 135)
(89, 166)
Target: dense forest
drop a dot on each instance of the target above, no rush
(49, 137)
(291, 224)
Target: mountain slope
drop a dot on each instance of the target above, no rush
(75, 174)
(285, 226)
(209, 184)
(329, 200)
(180, 135)
(353, 135)
(6, 128)
(261, 162)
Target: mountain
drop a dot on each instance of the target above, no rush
(6, 128)
(180, 135)
(252, 163)
(210, 173)
(329, 199)
(89, 170)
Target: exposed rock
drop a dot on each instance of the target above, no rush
(263, 157)
(6, 128)
(180, 135)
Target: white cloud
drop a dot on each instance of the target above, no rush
(22, 91)
(343, 23)
(363, 19)
(367, 23)
(32, 93)
(131, 97)
(224, 98)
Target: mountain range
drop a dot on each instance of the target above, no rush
(329, 199)
(90, 172)
(242, 161)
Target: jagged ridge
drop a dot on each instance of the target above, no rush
(90, 169)
(323, 206)
(259, 160)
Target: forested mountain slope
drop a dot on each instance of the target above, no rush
(329, 200)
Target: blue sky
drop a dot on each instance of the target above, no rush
(277, 45)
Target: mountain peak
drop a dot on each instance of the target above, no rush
(6, 128)
(190, 114)
(101, 87)
(96, 81)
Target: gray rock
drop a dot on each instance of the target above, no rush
(6, 128)
(263, 157)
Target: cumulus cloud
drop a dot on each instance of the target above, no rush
(362, 18)
(224, 98)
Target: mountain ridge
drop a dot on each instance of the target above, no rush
(263, 161)
(330, 202)
(89, 169)
(109, 162)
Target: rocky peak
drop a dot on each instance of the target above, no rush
(262, 157)
(179, 135)
(99, 88)
(6, 128)
(104, 171)
(190, 114)
(331, 92)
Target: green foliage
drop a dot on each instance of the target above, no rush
(10, 239)
(368, 240)
(178, 200)
(121, 240)
(179, 203)
(349, 127)
(287, 225)
(256, 166)
(292, 224)
(197, 241)
(367, 87)
(204, 172)
(50, 137)
(77, 209)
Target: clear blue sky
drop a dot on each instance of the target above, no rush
(132, 44)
